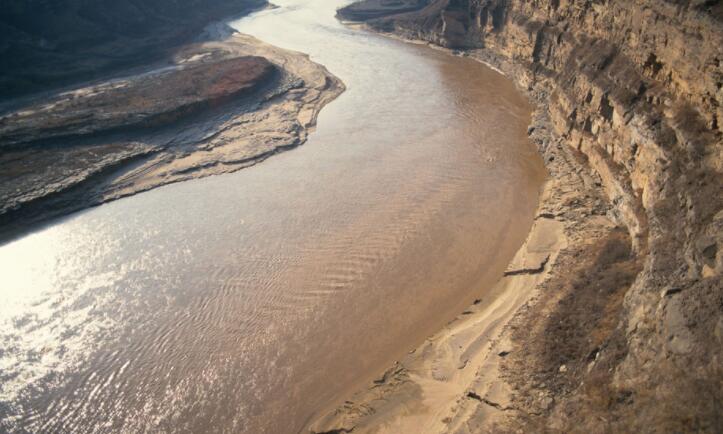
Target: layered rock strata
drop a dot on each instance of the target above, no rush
(218, 107)
(624, 332)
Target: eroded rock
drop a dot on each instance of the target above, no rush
(634, 89)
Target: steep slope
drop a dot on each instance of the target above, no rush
(625, 333)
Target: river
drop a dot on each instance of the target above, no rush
(249, 302)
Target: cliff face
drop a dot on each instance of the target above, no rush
(49, 43)
(635, 88)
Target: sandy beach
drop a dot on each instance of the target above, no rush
(248, 301)
(458, 380)
(585, 332)
(509, 220)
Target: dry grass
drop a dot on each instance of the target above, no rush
(578, 326)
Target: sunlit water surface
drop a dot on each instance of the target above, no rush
(248, 302)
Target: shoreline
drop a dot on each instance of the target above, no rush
(567, 342)
(120, 156)
(456, 371)
(394, 198)
(615, 288)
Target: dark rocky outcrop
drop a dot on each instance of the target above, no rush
(636, 89)
(371, 9)
(100, 100)
(156, 98)
(44, 44)
(218, 107)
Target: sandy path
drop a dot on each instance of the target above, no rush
(459, 363)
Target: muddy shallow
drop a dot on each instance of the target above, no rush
(247, 302)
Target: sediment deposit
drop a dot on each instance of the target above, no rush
(221, 105)
(616, 323)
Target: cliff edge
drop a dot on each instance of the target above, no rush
(621, 328)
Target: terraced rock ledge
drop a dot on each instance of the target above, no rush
(610, 318)
(217, 107)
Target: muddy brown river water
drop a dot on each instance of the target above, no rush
(248, 302)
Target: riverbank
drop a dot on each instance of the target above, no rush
(624, 291)
(216, 304)
(220, 106)
(459, 379)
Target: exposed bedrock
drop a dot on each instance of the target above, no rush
(153, 98)
(219, 107)
(636, 89)
(371, 9)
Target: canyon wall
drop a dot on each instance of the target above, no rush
(635, 89)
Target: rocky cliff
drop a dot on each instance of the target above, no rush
(626, 334)
(44, 44)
